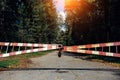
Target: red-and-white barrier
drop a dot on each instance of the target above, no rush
(34, 48)
(44, 47)
(27, 44)
(81, 49)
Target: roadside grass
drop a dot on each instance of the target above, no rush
(15, 61)
(114, 61)
(105, 58)
(8, 63)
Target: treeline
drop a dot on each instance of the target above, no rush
(93, 21)
(28, 21)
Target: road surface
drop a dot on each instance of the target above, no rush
(50, 67)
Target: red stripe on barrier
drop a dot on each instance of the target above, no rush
(14, 44)
(40, 45)
(88, 52)
(102, 45)
(2, 44)
(74, 48)
(49, 47)
(65, 48)
(25, 44)
(102, 53)
(12, 53)
(88, 46)
(40, 49)
(32, 50)
(116, 55)
(0, 55)
(32, 45)
(116, 43)
(24, 52)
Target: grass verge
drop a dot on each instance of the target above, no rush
(113, 61)
(20, 61)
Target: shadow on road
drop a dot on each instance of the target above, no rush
(61, 70)
(84, 69)
(90, 57)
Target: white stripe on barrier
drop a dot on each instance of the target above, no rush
(5, 55)
(45, 48)
(6, 44)
(36, 45)
(28, 51)
(53, 46)
(81, 46)
(29, 44)
(95, 45)
(96, 52)
(109, 54)
(35, 50)
(81, 51)
(18, 52)
(20, 44)
(110, 44)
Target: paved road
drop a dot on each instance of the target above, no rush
(47, 68)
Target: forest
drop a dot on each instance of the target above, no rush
(32, 21)
(36, 21)
(92, 21)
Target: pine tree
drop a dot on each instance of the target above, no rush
(28, 21)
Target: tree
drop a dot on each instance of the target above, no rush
(78, 19)
(8, 15)
(91, 21)
(28, 21)
(45, 21)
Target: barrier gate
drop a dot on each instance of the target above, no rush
(10, 49)
(93, 49)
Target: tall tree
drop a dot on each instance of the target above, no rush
(91, 21)
(45, 20)
(28, 21)
(8, 15)
(25, 21)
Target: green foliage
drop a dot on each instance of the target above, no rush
(104, 58)
(7, 19)
(94, 21)
(28, 21)
(14, 60)
(7, 63)
(64, 37)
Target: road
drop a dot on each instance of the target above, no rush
(50, 67)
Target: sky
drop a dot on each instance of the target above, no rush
(60, 7)
(59, 4)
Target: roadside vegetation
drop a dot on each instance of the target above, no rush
(20, 61)
(113, 61)
(105, 59)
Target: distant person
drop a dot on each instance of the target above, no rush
(60, 47)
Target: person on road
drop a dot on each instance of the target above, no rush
(60, 50)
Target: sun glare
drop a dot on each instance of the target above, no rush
(71, 3)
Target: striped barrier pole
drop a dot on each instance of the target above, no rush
(34, 48)
(82, 49)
